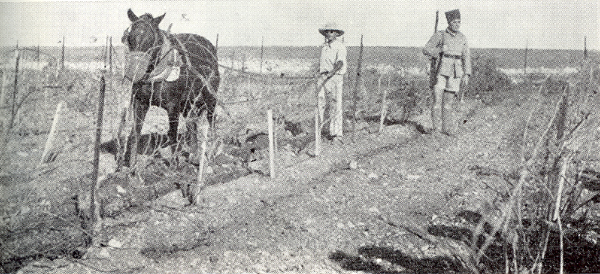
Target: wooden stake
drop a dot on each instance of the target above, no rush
(262, 49)
(271, 144)
(383, 104)
(355, 95)
(120, 145)
(95, 203)
(203, 126)
(51, 135)
(562, 114)
(585, 52)
(62, 56)
(525, 63)
(3, 88)
(317, 133)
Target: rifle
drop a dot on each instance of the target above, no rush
(433, 68)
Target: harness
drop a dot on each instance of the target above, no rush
(166, 63)
(169, 62)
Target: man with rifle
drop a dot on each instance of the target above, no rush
(453, 67)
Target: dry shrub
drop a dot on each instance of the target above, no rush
(487, 83)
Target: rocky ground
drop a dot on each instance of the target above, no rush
(362, 206)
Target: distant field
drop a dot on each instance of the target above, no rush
(401, 56)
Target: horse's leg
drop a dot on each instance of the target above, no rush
(173, 114)
(139, 114)
(210, 103)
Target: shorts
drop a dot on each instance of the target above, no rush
(447, 83)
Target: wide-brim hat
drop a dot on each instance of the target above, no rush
(452, 15)
(331, 26)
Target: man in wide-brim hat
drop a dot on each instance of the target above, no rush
(332, 67)
(451, 50)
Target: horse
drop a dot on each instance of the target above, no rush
(178, 72)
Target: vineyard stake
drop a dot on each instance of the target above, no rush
(262, 49)
(3, 88)
(585, 52)
(202, 131)
(95, 204)
(271, 144)
(51, 135)
(62, 56)
(6, 129)
(525, 63)
(355, 95)
(383, 104)
(317, 133)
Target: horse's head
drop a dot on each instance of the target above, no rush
(143, 34)
(143, 38)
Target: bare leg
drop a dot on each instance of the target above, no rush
(448, 123)
(436, 107)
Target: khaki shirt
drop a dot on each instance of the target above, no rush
(330, 54)
(456, 44)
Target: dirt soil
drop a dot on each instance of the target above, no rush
(359, 206)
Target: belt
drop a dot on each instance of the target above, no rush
(453, 56)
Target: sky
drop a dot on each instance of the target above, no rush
(541, 24)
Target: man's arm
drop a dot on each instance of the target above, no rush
(433, 48)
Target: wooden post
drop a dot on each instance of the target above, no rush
(3, 87)
(525, 63)
(355, 94)
(203, 126)
(317, 133)
(110, 57)
(7, 126)
(562, 114)
(271, 144)
(262, 49)
(13, 106)
(585, 52)
(120, 145)
(52, 135)
(62, 56)
(95, 204)
(383, 104)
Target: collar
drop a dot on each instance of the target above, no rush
(451, 32)
(329, 44)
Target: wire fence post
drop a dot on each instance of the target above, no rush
(525, 63)
(585, 52)
(383, 104)
(271, 144)
(355, 94)
(317, 133)
(203, 126)
(51, 136)
(62, 56)
(262, 49)
(94, 203)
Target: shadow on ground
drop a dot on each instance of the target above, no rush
(367, 261)
(580, 254)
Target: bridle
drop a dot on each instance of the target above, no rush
(154, 50)
(155, 32)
